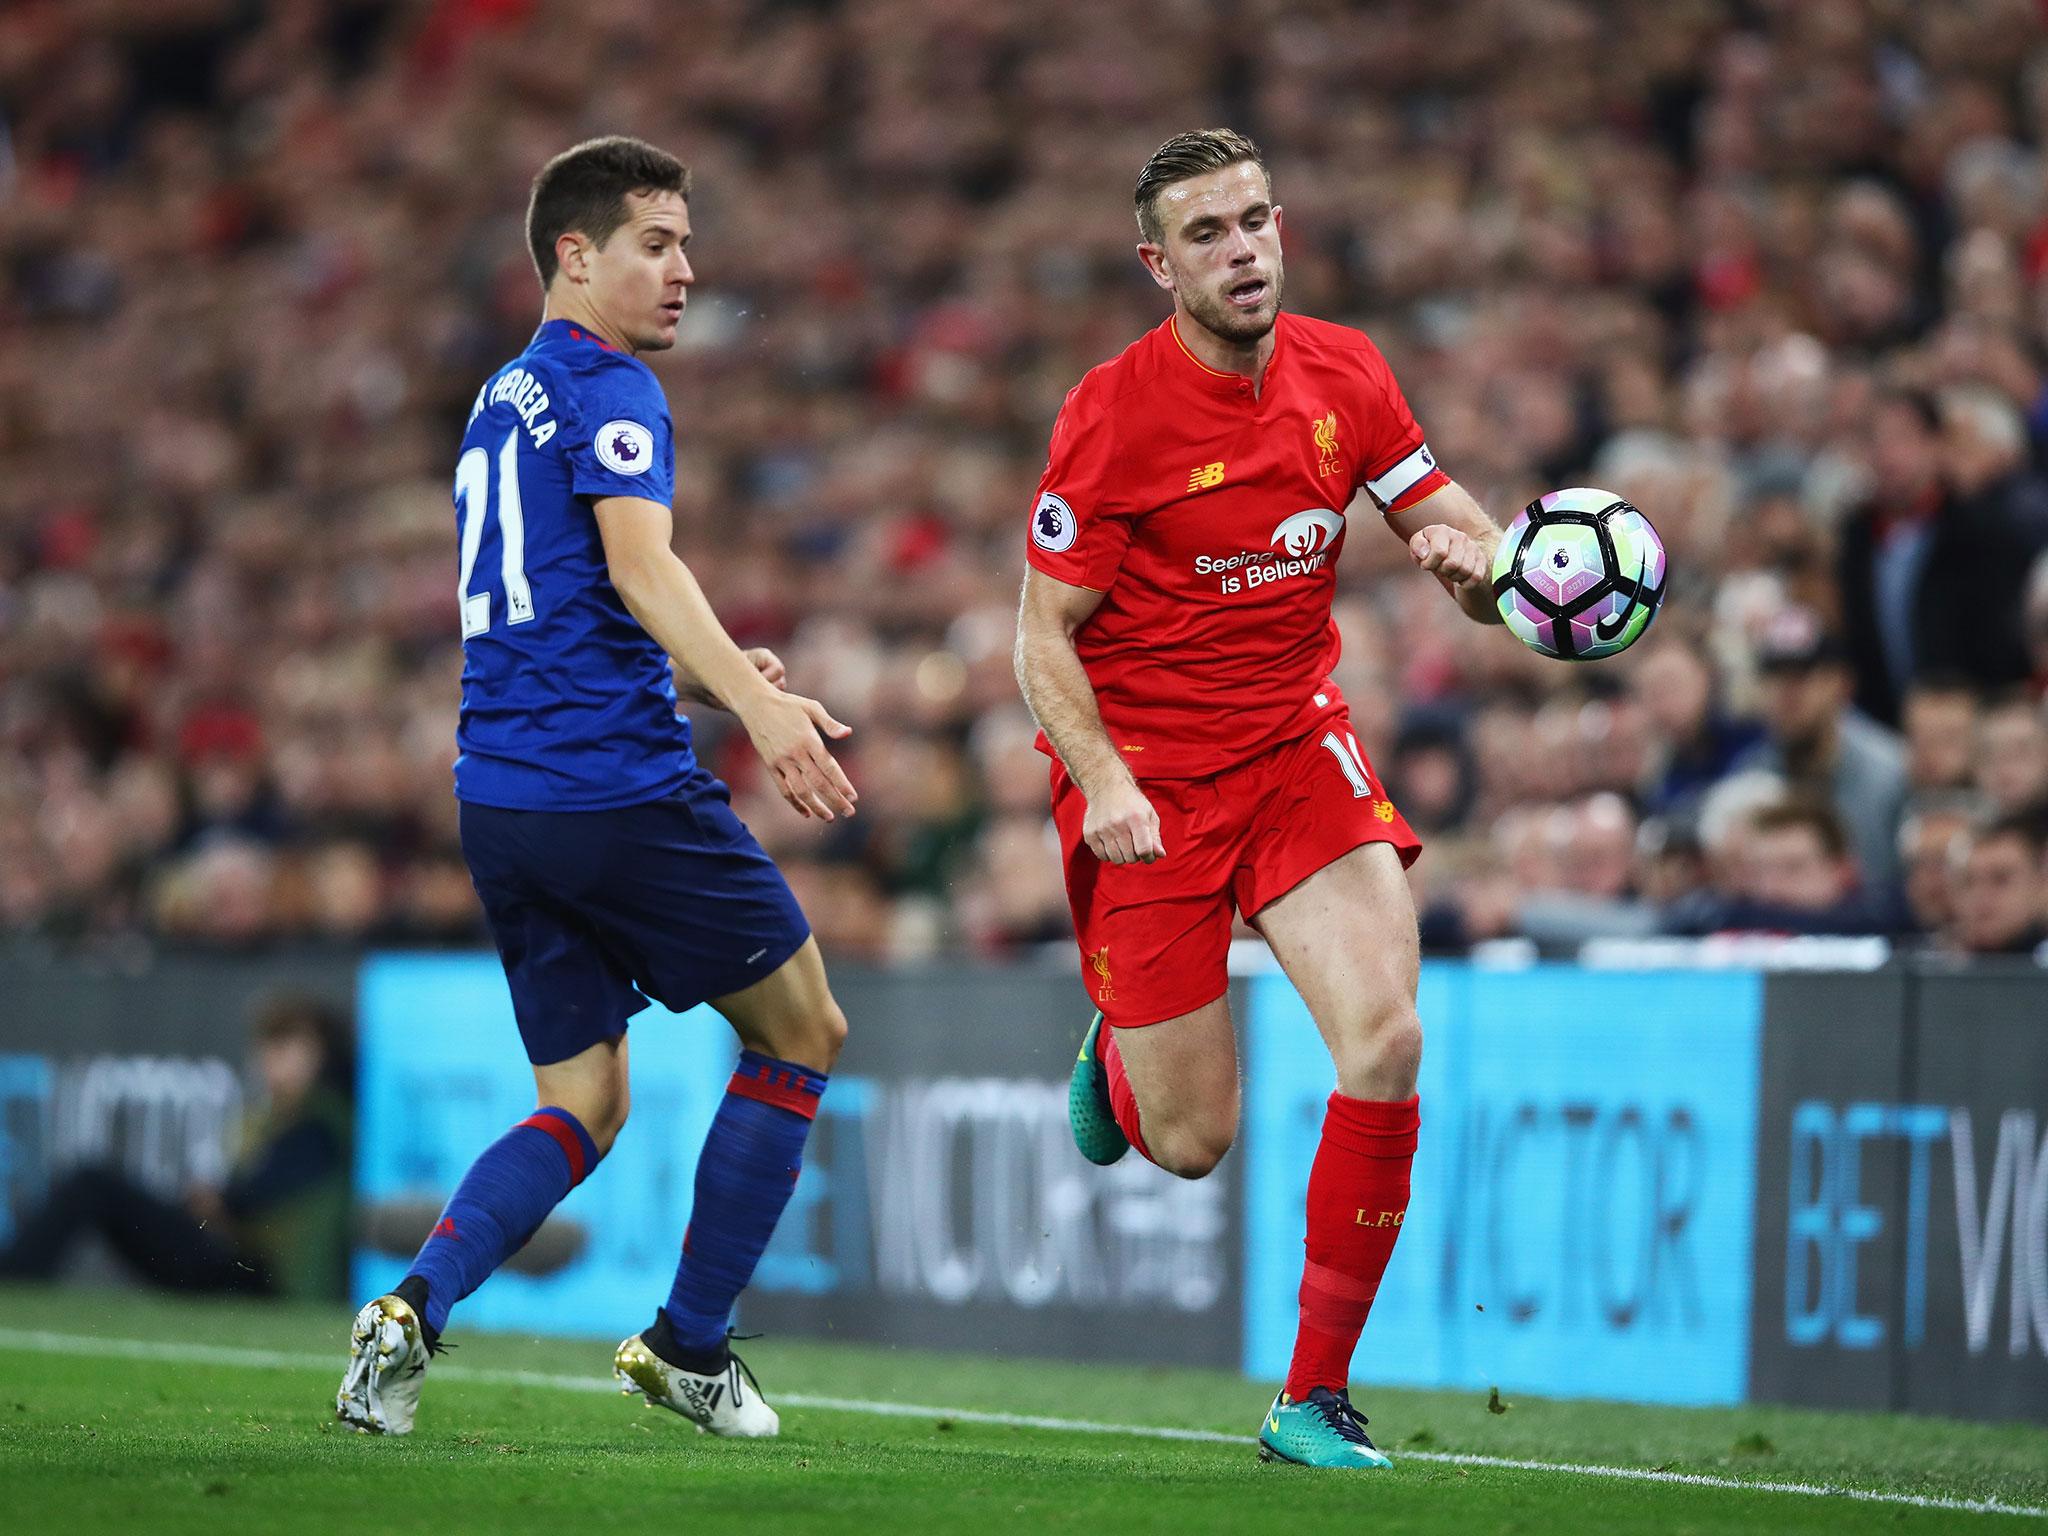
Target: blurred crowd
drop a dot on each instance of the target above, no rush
(1775, 270)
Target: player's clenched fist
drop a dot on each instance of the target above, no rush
(1453, 554)
(784, 728)
(1121, 827)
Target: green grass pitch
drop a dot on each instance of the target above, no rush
(128, 1413)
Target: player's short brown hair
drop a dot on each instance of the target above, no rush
(1187, 155)
(585, 189)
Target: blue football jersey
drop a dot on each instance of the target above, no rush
(567, 703)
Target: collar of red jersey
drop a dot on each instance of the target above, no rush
(573, 332)
(1215, 379)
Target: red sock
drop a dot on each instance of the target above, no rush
(1357, 1196)
(1123, 1099)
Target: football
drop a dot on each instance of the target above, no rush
(1579, 574)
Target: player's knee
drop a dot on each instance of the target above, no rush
(1191, 1148)
(810, 1037)
(1401, 1052)
(1380, 1057)
(818, 1037)
(1190, 1156)
(600, 1108)
(612, 1120)
(832, 1029)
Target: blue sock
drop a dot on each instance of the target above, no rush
(744, 1177)
(500, 1203)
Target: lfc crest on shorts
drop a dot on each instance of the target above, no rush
(1099, 963)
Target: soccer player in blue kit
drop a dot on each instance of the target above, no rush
(609, 862)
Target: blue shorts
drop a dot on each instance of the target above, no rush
(594, 912)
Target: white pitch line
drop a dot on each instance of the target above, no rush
(47, 1342)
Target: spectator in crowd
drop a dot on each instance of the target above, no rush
(1929, 840)
(1672, 865)
(1784, 290)
(1595, 846)
(278, 1227)
(1886, 546)
(1804, 876)
(1480, 897)
(1940, 726)
(2012, 757)
(2001, 896)
(1934, 566)
(1431, 764)
(1822, 747)
(1696, 741)
(1802, 879)
(2034, 625)
(1727, 829)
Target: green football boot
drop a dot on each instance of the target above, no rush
(1088, 1112)
(1322, 1430)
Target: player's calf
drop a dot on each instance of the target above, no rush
(1189, 1117)
(1172, 1087)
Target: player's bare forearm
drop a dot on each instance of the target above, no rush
(1450, 536)
(1060, 698)
(1120, 827)
(1056, 687)
(663, 595)
(690, 688)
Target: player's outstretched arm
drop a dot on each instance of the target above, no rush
(1121, 826)
(659, 591)
(1450, 535)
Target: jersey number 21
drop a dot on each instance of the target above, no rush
(473, 490)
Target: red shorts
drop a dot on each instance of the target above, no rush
(1155, 938)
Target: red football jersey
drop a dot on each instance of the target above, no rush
(1211, 520)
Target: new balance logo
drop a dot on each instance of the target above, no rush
(1205, 477)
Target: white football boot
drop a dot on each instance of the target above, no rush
(387, 1361)
(727, 1402)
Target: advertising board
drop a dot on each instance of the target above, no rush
(1580, 1219)
(942, 1203)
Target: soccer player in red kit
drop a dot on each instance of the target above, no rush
(1176, 645)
